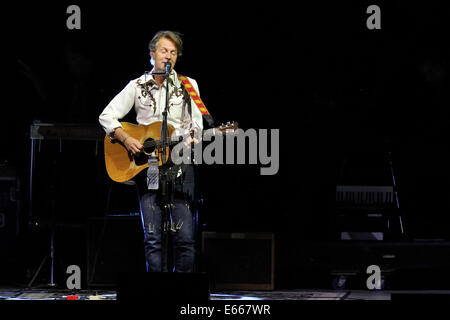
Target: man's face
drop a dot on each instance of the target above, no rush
(165, 51)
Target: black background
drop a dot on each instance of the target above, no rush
(341, 95)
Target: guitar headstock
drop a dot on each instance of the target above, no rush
(228, 128)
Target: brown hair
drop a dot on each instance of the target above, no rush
(174, 36)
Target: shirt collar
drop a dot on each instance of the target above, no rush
(147, 78)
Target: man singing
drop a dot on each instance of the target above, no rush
(148, 96)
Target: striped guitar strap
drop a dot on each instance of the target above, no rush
(198, 101)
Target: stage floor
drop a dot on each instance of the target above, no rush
(9, 293)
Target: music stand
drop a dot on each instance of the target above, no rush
(51, 253)
(53, 131)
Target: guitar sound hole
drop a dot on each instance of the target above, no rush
(149, 145)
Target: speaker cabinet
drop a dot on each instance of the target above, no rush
(114, 245)
(239, 261)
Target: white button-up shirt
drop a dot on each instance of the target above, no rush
(149, 101)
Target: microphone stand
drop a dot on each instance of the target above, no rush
(164, 179)
(395, 187)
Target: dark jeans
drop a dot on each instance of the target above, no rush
(181, 235)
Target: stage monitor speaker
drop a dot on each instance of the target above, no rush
(421, 297)
(167, 287)
(114, 245)
(239, 261)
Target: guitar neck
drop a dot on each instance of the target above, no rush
(224, 129)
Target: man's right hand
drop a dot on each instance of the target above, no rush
(133, 145)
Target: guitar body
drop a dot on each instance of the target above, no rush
(121, 165)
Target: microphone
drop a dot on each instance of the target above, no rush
(168, 66)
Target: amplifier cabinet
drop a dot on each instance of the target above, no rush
(239, 261)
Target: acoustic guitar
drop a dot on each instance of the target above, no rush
(122, 165)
